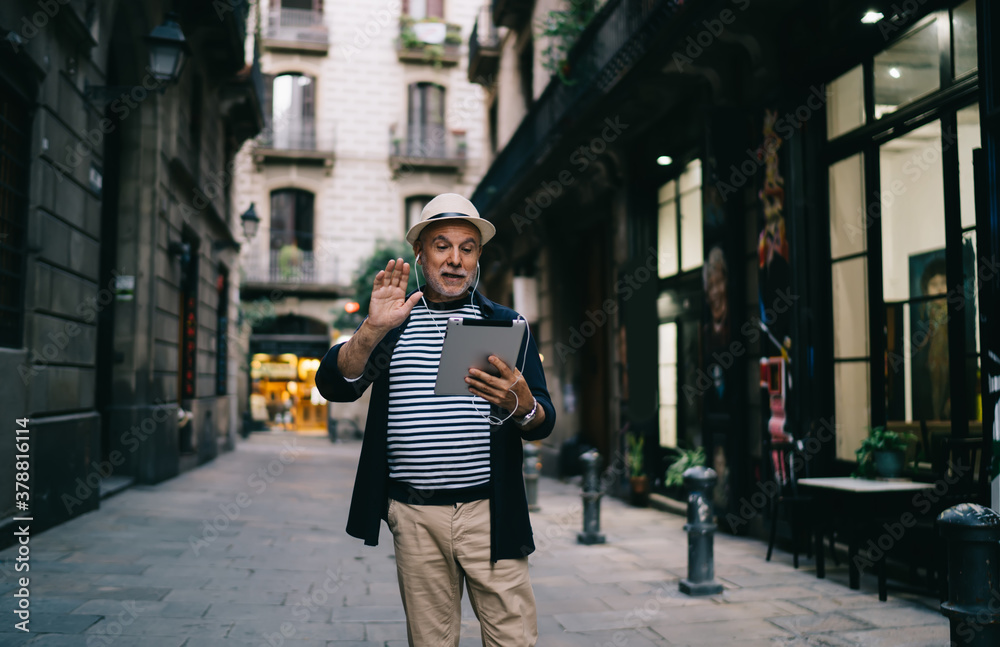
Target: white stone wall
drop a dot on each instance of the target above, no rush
(361, 91)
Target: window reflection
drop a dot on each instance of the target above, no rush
(969, 139)
(907, 70)
(912, 207)
(963, 20)
(846, 103)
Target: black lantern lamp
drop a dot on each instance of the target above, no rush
(250, 222)
(167, 50)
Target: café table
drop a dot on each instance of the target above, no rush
(857, 505)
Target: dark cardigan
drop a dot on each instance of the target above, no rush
(510, 530)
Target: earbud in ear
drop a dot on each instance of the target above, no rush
(418, 258)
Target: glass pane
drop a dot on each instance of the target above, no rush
(850, 308)
(668, 191)
(845, 103)
(930, 383)
(907, 70)
(667, 349)
(963, 19)
(971, 292)
(688, 368)
(691, 177)
(848, 223)
(972, 368)
(969, 139)
(898, 363)
(667, 341)
(666, 231)
(668, 426)
(691, 235)
(852, 406)
(912, 209)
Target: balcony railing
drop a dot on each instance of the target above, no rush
(294, 134)
(311, 268)
(617, 37)
(484, 49)
(434, 149)
(297, 28)
(428, 41)
(297, 141)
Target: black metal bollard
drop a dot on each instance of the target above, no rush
(699, 482)
(591, 500)
(532, 467)
(973, 606)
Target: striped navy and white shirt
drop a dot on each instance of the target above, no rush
(434, 442)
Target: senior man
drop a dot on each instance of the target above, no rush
(446, 480)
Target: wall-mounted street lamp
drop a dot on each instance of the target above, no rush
(168, 52)
(250, 222)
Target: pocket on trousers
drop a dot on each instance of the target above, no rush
(390, 516)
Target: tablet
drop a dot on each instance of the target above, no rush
(469, 343)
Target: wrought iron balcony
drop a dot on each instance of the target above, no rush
(288, 139)
(428, 41)
(484, 49)
(314, 268)
(427, 150)
(298, 29)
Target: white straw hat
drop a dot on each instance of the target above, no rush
(451, 206)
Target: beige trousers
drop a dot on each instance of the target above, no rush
(438, 547)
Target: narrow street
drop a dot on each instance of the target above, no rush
(251, 550)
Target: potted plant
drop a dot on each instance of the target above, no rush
(639, 493)
(686, 459)
(882, 453)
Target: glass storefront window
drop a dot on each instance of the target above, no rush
(850, 308)
(972, 348)
(680, 198)
(969, 139)
(912, 214)
(692, 253)
(845, 109)
(666, 230)
(963, 21)
(907, 70)
(852, 406)
(667, 334)
(848, 220)
(971, 290)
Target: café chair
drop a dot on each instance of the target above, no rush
(785, 463)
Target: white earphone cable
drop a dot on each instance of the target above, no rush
(493, 420)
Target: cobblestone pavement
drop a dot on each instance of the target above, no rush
(251, 550)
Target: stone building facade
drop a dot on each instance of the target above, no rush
(118, 241)
(370, 114)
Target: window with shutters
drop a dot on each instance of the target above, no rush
(425, 135)
(296, 25)
(292, 219)
(291, 112)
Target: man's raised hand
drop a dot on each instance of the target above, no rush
(389, 306)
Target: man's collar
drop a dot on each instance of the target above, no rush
(485, 305)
